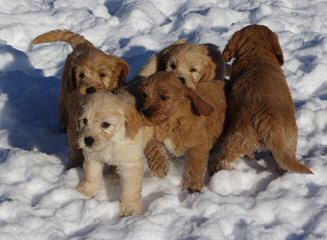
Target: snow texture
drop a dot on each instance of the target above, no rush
(37, 195)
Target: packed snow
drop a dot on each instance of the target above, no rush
(38, 199)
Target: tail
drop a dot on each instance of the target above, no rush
(289, 162)
(282, 141)
(73, 39)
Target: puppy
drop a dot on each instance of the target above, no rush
(87, 70)
(187, 122)
(261, 110)
(111, 131)
(193, 63)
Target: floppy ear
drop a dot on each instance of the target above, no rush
(276, 48)
(124, 68)
(133, 122)
(150, 68)
(201, 107)
(218, 60)
(230, 50)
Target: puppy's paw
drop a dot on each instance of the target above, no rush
(224, 165)
(157, 157)
(87, 188)
(192, 184)
(129, 209)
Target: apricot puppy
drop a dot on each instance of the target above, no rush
(261, 110)
(187, 122)
(111, 131)
(193, 63)
(87, 70)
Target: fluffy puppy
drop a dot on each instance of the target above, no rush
(193, 63)
(261, 110)
(87, 70)
(187, 122)
(111, 131)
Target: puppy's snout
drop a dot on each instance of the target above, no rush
(89, 141)
(148, 112)
(182, 79)
(90, 90)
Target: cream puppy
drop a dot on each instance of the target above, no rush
(111, 131)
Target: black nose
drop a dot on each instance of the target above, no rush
(182, 80)
(148, 112)
(89, 141)
(90, 90)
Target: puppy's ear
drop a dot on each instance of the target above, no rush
(150, 68)
(217, 59)
(201, 107)
(133, 122)
(276, 48)
(123, 71)
(231, 48)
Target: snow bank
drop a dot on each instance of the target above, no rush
(253, 201)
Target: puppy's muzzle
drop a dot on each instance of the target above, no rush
(90, 90)
(89, 141)
(182, 79)
(148, 112)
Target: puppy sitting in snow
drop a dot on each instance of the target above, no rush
(261, 110)
(87, 70)
(193, 63)
(111, 131)
(187, 122)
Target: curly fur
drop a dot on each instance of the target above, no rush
(187, 122)
(87, 69)
(120, 143)
(261, 110)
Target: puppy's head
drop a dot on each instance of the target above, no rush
(105, 118)
(165, 96)
(194, 63)
(96, 71)
(251, 40)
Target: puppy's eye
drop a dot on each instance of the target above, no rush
(85, 121)
(102, 75)
(81, 75)
(105, 125)
(173, 65)
(164, 97)
(192, 70)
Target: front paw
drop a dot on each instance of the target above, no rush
(224, 165)
(89, 189)
(129, 209)
(192, 184)
(157, 157)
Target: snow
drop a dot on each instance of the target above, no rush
(254, 201)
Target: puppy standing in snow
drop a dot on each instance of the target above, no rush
(261, 110)
(111, 131)
(87, 70)
(187, 122)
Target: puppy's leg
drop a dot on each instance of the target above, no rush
(157, 158)
(196, 167)
(235, 145)
(132, 181)
(282, 142)
(91, 182)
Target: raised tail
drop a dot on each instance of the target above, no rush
(73, 39)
